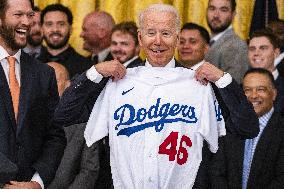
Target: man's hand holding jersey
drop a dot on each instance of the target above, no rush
(112, 68)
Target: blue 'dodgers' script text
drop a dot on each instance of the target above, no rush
(160, 114)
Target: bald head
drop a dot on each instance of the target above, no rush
(96, 31)
(62, 76)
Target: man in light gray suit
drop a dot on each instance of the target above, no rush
(227, 51)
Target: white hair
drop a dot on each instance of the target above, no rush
(160, 8)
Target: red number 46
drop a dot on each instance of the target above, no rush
(172, 152)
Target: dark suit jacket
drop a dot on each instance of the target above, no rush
(279, 102)
(33, 143)
(75, 106)
(79, 167)
(70, 59)
(267, 168)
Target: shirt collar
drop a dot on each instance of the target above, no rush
(263, 120)
(102, 55)
(4, 54)
(197, 65)
(219, 35)
(171, 64)
(129, 61)
(275, 74)
(31, 51)
(278, 59)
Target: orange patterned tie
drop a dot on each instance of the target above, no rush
(14, 85)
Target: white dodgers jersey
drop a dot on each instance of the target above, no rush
(156, 119)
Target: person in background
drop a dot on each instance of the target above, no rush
(263, 49)
(96, 33)
(277, 27)
(227, 51)
(56, 20)
(35, 36)
(62, 76)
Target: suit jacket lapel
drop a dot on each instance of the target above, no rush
(26, 85)
(6, 98)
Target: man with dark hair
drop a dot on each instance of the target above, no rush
(227, 51)
(56, 21)
(262, 51)
(258, 162)
(277, 27)
(96, 33)
(28, 98)
(35, 36)
(193, 45)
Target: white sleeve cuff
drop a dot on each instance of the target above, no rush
(93, 75)
(37, 179)
(224, 81)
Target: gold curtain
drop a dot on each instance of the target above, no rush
(126, 10)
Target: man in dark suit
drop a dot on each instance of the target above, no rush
(263, 49)
(227, 52)
(75, 107)
(96, 33)
(259, 162)
(28, 98)
(56, 21)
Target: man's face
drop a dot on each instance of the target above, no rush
(90, 33)
(15, 24)
(35, 36)
(56, 29)
(259, 92)
(192, 47)
(261, 53)
(219, 15)
(158, 37)
(123, 46)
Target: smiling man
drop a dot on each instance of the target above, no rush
(227, 50)
(56, 21)
(257, 162)
(35, 36)
(263, 49)
(28, 98)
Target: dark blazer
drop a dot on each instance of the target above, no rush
(79, 167)
(279, 102)
(75, 106)
(33, 143)
(267, 168)
(70, 59)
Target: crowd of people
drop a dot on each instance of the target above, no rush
(212, 117)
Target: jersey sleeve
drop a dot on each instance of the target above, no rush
(97, 125)
(212, 124)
